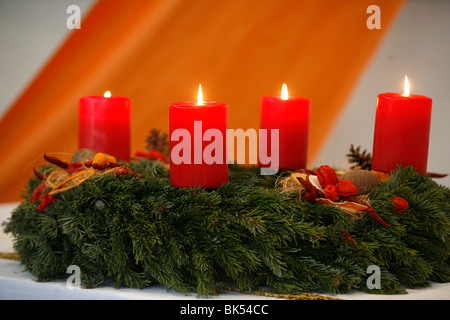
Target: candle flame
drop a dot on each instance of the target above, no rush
(284, 92)
(200, 95)
(107, 94)
(406, 92)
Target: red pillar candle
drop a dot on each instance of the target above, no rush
(198, 143)
(402, 130)
(104, 125)
(291, 116)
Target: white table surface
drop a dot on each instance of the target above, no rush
(17, 284)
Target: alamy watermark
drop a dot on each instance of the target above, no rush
(374, 20)
(74, 281)
(74, 20)
(213, 153)
(374, 280)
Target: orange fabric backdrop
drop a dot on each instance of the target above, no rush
(157, 52)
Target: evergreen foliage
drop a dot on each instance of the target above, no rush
(245, 234)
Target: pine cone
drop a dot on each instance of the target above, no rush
(158, 141)
(359, 160)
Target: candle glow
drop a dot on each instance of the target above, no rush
(107, 94)
(200, 95)
(284, 92)
(406, 90)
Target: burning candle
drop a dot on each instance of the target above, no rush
(198, 143)
(402, 130)
(291, 116)
(104, 125)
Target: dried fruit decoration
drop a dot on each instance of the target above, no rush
(38, 194)
(75, 173)
(312, 193)
(346, 188)
(334, 188)
(331, 193)
(327, 176)
(336, 192)
(152, 155)
(400, 205)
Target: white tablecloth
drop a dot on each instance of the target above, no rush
(15, 283)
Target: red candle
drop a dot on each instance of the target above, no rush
(198, 143)
(291, 116)
(402, 130)
(104, 125)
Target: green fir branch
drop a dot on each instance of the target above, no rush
(245, 234)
